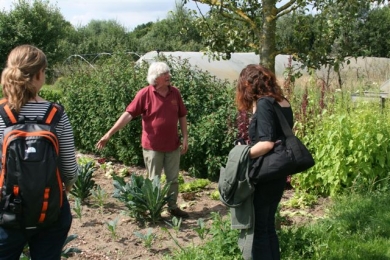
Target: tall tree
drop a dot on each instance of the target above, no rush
(371, 34)
(101, 36)
(250, 25)
(176, 32)
(33, 22)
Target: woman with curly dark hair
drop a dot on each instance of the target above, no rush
(257, 90)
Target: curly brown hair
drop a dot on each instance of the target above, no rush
(256, 81)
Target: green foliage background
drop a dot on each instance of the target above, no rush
(34, 22)
(350, 147)
(96, 97)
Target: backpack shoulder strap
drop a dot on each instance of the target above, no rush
(53, 114)
(9, 115)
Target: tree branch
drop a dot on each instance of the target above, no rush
(204, 18)
(286, 8)
(292, 52)
(239, 12)
(209, 2)
(279, 14)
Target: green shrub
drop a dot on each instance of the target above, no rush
(211, 139)
(95, 98)
(48, 92)
(348, 147)
(51, 93)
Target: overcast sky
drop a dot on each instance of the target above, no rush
(128, 13)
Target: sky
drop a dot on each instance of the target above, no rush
(128, 13)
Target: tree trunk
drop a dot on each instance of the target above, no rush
(268, 34)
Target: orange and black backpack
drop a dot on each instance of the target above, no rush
(30, 181)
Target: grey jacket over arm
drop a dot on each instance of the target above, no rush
(236, 192)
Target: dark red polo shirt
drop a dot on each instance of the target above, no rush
(160, 116)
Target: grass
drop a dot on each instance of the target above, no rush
(358, 227)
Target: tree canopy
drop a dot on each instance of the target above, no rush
(249, 25)
(37, 23)
(315, 33)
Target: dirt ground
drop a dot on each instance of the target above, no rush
(98, 242)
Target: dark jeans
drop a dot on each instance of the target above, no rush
(44, 244)
(266, 200)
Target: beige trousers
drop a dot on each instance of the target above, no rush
(156, 162)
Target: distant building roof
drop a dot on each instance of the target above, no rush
(362, 67)
(222, 69)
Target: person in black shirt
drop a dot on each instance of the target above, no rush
(254, 83)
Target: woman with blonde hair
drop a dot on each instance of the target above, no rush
(21, 80)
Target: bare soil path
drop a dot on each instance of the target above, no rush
(97, 242)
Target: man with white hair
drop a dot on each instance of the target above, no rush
(161, 107)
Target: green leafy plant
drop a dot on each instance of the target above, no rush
(108, 169)
(215, 195)
(201, 230)
(146, 238)
(222, 244)
(83, 160)
(176, 224)
(68, 252)
(100, 197)
(112, 227)
(49, 93)
(279, 218)
(144, 198)
(347, 149)
(123, 172)
(84, 183)
(301, 200)
(195, 185)
(78, 208)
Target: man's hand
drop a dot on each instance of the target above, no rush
(184, 145)
(102, 142)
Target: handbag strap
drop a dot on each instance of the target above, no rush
(283, 122)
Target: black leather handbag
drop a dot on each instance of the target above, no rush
(288, 157)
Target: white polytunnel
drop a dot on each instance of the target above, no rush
(361, 67)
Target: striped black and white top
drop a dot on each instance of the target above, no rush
(65, 138)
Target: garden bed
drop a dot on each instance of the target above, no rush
(107, 232)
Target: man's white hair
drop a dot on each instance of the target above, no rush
(155, 70)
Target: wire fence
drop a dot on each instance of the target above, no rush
(91, 58)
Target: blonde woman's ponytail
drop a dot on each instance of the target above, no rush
(24, 62)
